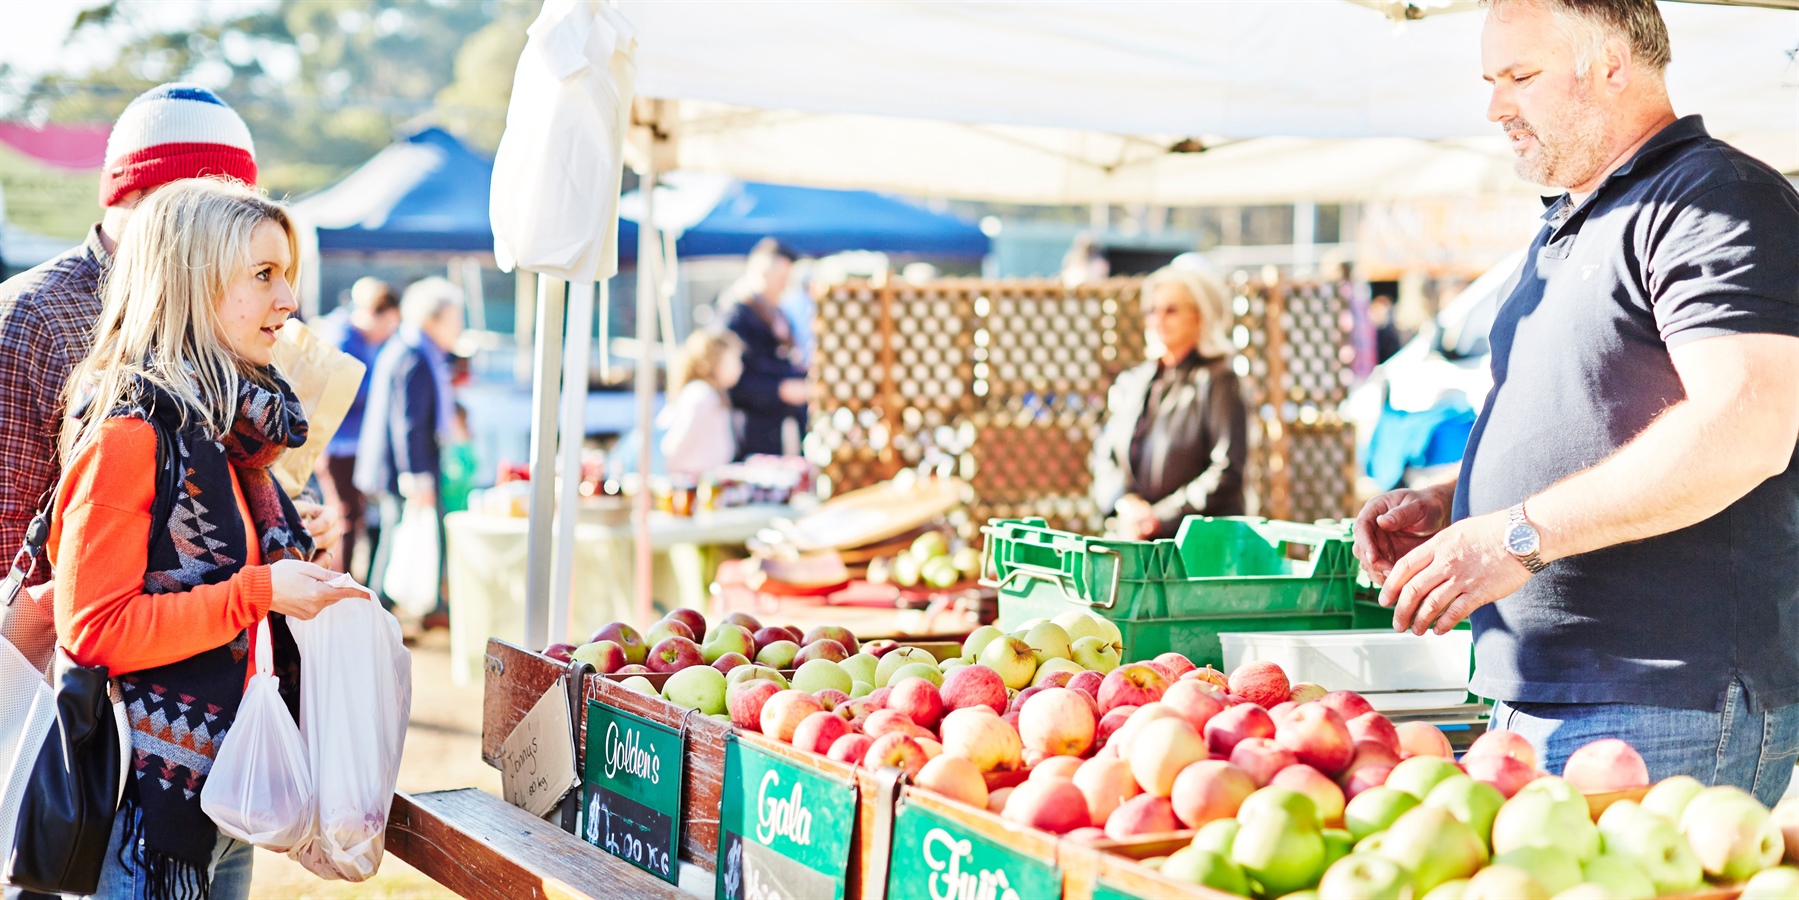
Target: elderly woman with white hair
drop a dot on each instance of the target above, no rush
(410, 409)
(1176, 437)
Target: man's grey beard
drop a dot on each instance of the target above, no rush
(1569, 156)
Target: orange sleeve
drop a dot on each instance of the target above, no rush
(99, 546)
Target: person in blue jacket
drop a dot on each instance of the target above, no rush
(772, 391)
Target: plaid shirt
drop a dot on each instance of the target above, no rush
(47, 318)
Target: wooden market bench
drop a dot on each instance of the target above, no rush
(484, 848)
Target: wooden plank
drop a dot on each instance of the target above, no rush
(515, 680)
(483, 848)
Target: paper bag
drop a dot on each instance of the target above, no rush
(326, 380)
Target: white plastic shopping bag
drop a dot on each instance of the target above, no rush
(412, 564)
(355, 697)
(27, 710)
(260, 788)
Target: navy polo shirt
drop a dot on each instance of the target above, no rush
(1687, 240)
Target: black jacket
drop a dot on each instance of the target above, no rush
(758, 393)
(1194, 452)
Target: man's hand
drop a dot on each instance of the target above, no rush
(1136, 518)
(418, 488)
(322, 522)
(1448, 577)
(1396, 523)
(794, 392)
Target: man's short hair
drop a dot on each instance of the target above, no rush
(374, 296)
(1636, 22)
(427, 297)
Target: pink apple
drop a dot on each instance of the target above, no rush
(818, 732)
(981, 737)
(1306, 692)
(1166, 674)
(606, 657)
(1364, 778)
(1262, 683)
(730, 661)
(1110, 723)
(1133, 684)
(1087, 682)
(1053, 805)
(559, 652)
(1279, 711)
(1422, 739)
(1174, 664)
(746, 699)
(1122, 739)
(932, 749)
(974, 685)
(634, 669)
(1260, 758)
(1373, 726)
(887, 721)
(1368, 753)
(830, 699)
(1318, 736)
(830, 650)
(878, 649)
(1160, 750)
(784, 712)
(1142, 814)
(1235, 723)
(851, 748)
(1106, 783)
(897, 750)
(1019, 698)
(743, 619)
(1057, 678)
(626, 637)
(1211, 676)
(672, 654)
(996, 800)
(1606, 765)
(1208, 790)
(1507, 773)
(837, 633)
(918, 700)
(1056, 722)
(1348, 704)
(1086, 835)
(1504, 743)
(955, 778)
(1325, 794)
(877, 698)
(1195, 702)
(1062, 767)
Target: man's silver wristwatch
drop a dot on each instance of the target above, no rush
(1522, 541)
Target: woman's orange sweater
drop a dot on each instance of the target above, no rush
(100, 548)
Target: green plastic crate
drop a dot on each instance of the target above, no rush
(1216, 575)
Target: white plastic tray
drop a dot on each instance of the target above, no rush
(1394, 671)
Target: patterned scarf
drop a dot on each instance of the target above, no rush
(180, 713)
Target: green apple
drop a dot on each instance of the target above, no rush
(978, 639)
(1094, 653)
(1028, 624)
(1504, 882)
(1434, 845)
(1653, 843)
(720, 717)
(1080, 623)
(693, 688)
(1365, 876)
(1554, 868)
(728, 638)
(1586, 890)
(1206, 868)
(1452, 889)
(952, 664)
(1376, 809)
(861, 667)
(939, 572)
(816, 675)
(642, 685)
(1778, 883)
(1012, 659)
(1337, 844)
(894, 659)
(929, 545)
(1053, 665)
(1048, 641)
(1474, 802)
(1416, 776)
(927, 671)
(1282, 850)
(1277, 800)
(968, 562)
(1621, 877)
(745, 673)
(1732, 834)
(1670, 796)
(1216, 836)
(906, 569)
(777, 655)
(1548, 812)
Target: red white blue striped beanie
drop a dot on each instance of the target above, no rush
(175, 131)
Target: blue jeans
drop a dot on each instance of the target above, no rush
(1754, 751)
(230, 870)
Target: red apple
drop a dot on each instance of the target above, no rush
(1606, 765)
(1019, 698)
(744, 619)
(1174, 664)
(1086, 835)
(672, 654)
(887, 721)
(692, 618)
(1374, 727)
(1325, 794)
(955, 778)
(1164, 670)
(626, 637)
(830, 650)
(1318, 736)
(1368, 753)
(1208, 790)
(729, 661)
(1279, 711)
(897, 750)
(667, 628)
(633, 669)
(1235, 723)
(877, 698)
(919, 700)
(1056, 722)
(837, 633)
(1194, 701)
(818, 732)
(1110, 723)
(768, 635)
(982, 738)
(1348, 704)
(1507, 773)
(1422, 739)
(851, 748)
(973, 685)
(830, 699)
(1262, 683)
(1121, 741)
(1053, 805)
(1212, 677)
(878, 649)
(1131, 685)
(1306, 692)
(1106, 783)
(1364, 778)
(1087, 682)
(1260, 758)
(1504, 743)
(1062, 767)
(559, 652)
(784, 712)
(1142, 814)
(1160, 750)
(1057, 678)
(745, 700)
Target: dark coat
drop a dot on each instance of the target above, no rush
(1195, 451)
(757, 394)
(399, 424)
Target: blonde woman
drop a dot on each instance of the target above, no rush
(697, 424)
(202, 281)
(1175, 441)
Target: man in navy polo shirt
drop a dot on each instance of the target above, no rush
(1624, 534)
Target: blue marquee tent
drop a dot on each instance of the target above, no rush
(818, 222)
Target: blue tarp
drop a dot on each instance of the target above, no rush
(446, 211)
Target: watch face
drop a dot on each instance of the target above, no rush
(1521, 540)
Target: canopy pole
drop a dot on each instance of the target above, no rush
(573, 434)
(544, 391)
(648, 249)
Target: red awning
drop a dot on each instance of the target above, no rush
(64, 146)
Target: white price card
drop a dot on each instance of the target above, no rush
(537, 762)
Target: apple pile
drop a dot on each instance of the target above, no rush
(928, 561)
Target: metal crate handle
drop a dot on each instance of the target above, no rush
(1063, 581)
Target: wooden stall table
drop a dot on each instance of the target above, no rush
(486, 570)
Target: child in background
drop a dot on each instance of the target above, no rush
(698, 433)
(459, 463)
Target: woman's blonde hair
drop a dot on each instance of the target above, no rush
(159, 319)
(699, 356)
(1210, 297)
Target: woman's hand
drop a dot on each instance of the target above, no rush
(300, 589)
(794, 392)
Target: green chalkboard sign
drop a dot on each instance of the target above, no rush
(783, 829)
(631, 789)
(1103, 891)
(935, 857)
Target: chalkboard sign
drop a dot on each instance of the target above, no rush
(935, 857)
(784, 828)
(632, 789)
(1103, 891)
